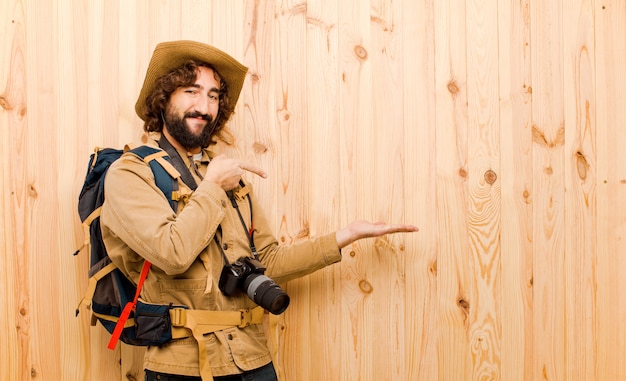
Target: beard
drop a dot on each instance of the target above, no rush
(177, 127)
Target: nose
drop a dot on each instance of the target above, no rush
(203, 105)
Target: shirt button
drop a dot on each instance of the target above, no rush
(223, 204)
(230, 336)
(225, 246)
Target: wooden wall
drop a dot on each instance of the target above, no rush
(497, 127)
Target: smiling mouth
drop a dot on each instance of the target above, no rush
(197, 115)
(197, 124)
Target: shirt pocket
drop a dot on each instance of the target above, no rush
(186, 292)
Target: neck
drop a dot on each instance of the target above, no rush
(177, 145)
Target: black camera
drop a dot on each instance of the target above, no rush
(246, 275)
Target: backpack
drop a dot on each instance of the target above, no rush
(112, 298)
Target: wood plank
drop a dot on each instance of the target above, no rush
(516, 184)
(453, 252)
(323, 138)
(388, 260)
(580, 182)
(15, 311)
(357, 188)
(416, 24)
(610, 75)
(484, 213)
(39, 224)
(72, 117)
(291, 176)
(549, 209)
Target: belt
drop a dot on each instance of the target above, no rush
(198, 323)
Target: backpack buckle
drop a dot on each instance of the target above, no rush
(246, 318)
(178, 317)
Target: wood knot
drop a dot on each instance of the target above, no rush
(32, 191)
(255, 77)
(548, 171)
(304, 233)
(259, 148)
(490, 177)
(453, 88)
(283, 114)
(366, 286)
(360, 52)
(464, 304)
(4, 103)
(581, 165)
(463, 173)
(433, 267)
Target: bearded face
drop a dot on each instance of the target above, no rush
(191, 111)
(178, 126)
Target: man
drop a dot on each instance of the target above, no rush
(188, 95)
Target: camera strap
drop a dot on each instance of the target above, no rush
(249, 232)
(179, 164)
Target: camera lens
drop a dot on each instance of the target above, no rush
(266, 293)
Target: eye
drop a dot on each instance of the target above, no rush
(214, 97)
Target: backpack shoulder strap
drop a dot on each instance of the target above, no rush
(178, 163)
(165, 175)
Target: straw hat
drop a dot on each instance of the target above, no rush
(169, 55)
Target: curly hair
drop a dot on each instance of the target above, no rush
(182, 76)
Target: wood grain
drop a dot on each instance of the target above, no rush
(580, 179)
(610, 26)
(484, 213)
(548, 133)
(516, 188)
(453, 252)
(416, 23)
(496, 127)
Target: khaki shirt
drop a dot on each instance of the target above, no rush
(138, 223)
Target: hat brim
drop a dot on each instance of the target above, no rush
(170, 55)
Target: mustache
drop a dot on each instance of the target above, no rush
(196, 114)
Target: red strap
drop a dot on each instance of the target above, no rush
(130, 306)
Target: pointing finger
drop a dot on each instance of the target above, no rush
(254, 169)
